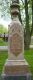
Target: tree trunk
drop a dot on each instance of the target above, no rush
(32, 18)
(27, 34)
(27, 37)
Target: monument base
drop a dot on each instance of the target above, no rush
(16, 68)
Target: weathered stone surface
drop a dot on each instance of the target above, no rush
(16, 67)
(16, 44)
(16, 39)
(16, 64)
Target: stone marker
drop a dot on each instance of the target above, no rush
(16, 65)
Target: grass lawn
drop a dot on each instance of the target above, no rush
(3, 43)
(28, 56)
(3, 57)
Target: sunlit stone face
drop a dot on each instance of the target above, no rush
(15, 44)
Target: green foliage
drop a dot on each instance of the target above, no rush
(5, 8)
(25, 15)
(3, 29)
(29, 58)
(3, 57)
(3, 43)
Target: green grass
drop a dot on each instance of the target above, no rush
(3, 57)
(32, 34)
(3, 43)
(28, 56)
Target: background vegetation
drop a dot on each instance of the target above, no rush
(25, 16)
(3, 29)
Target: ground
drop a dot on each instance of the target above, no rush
(28, 56)
(3, 57)
(3, 43)
(4, 54)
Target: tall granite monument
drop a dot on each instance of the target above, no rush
(15, 65)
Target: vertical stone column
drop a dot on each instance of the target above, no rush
(16, 35)
(16, 65)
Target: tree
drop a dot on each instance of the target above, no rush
(5, 9)
(28, 29)
(32, 18)
(27, 5)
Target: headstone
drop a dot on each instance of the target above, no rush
(16, 65)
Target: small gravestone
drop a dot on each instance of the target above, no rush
(16, 65)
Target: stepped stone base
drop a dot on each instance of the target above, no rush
(16, 68)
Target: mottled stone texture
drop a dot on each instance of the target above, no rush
(16, 44)
(16, 39)
(16, 65)
(22, 69)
